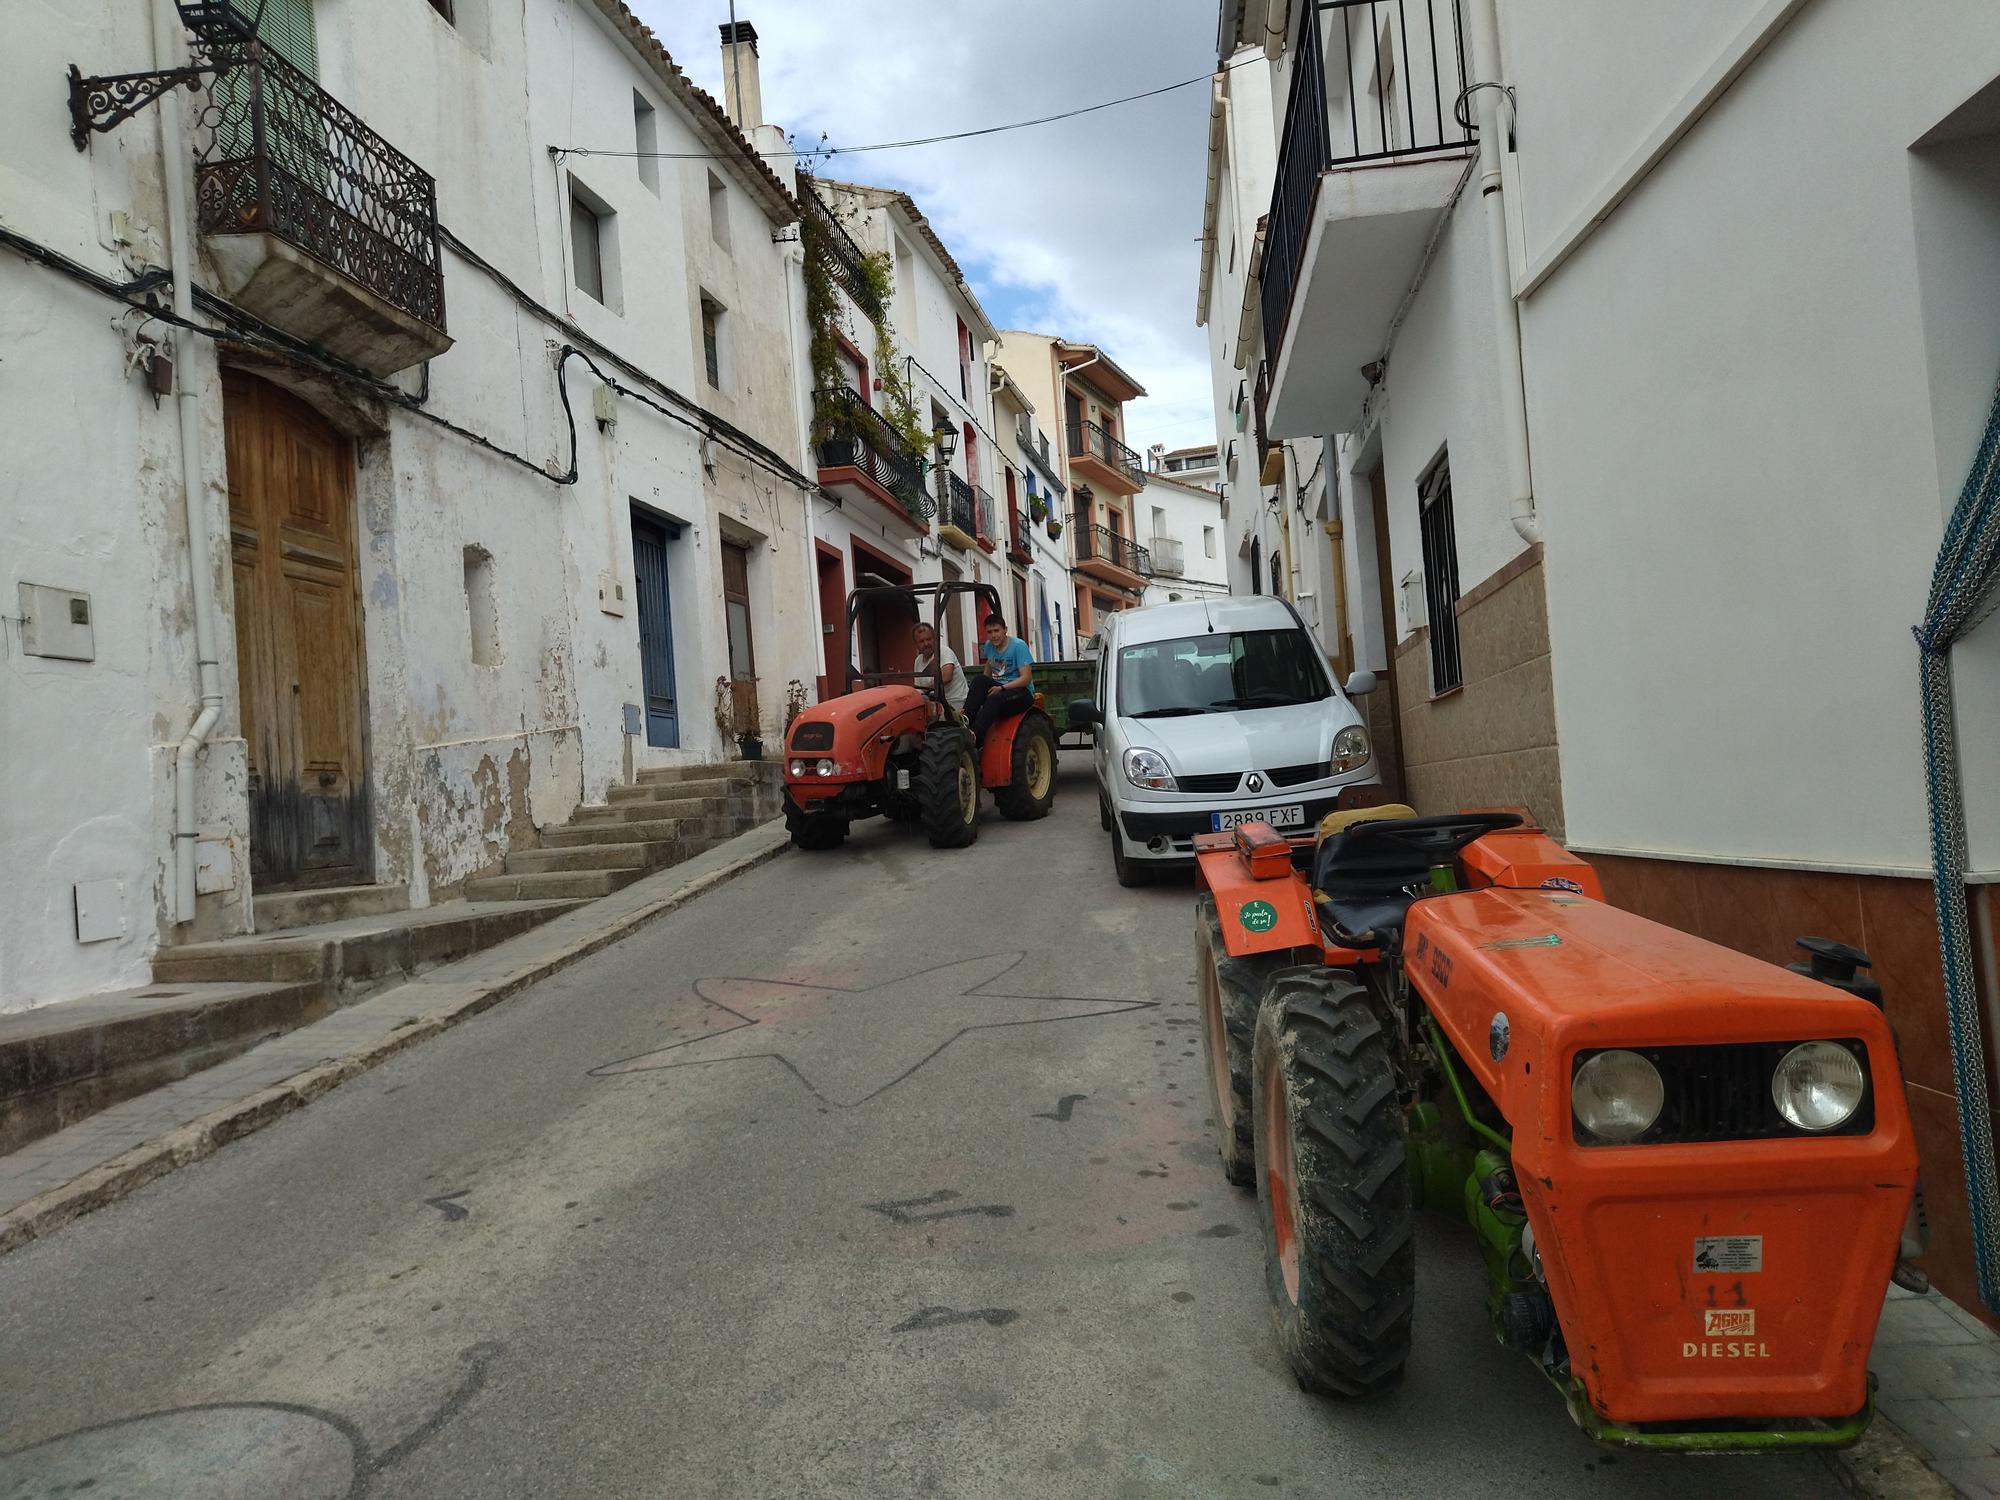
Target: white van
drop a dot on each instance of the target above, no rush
(1209, 714)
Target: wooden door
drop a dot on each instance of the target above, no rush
(742, 647)
(656, 631)
(298, 638)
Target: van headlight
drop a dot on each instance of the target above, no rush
(1617, 1095)
(1351, 750)
(1817, 1086)
(1148, 768)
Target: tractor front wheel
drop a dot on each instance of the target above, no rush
(948, 788)
(1032, 790)
(1230, 989)
(810, 831)
(1333, 1184)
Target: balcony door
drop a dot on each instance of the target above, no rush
(736, 618)
(298, 637)
(650, 539)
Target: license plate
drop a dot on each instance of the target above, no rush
(1278, 817)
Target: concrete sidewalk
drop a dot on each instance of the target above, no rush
(1939, 1368)
(52, 1180)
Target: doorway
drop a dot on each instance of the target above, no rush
(742, 645)
(832, 617)
(1385, 708)
(650, 537)
(298, 637)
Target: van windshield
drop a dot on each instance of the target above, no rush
(1220, 673)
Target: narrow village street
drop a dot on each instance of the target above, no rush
(877, 1172)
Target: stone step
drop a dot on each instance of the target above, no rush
(630, 854)
(280, 911)
(645, 830)
(652, 810)
(62, 1063)
(361, 950)
(660, 791)
(735, 769)
(550, 885)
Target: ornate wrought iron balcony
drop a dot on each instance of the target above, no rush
(862, 452)
(958, 510)
(1102, 545)
(842, 258)
(1103, 458)
(291, 185)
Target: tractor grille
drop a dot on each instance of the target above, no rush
(813, 736)
(1723, 1093)
(1222, 782)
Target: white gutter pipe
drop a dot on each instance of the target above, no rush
(1511, 386)
(194, 493)
(1217, 104)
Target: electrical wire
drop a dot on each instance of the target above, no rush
(824, 152)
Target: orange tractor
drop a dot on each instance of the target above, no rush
(891, 747)
(1690, 1174)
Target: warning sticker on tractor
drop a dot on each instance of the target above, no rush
(1728, 1253)
(1257, 916)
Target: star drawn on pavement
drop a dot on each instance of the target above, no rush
(847, 1046)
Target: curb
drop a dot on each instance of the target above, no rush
(125, 1174)
(1888, 1465)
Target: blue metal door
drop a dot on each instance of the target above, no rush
(656, 630)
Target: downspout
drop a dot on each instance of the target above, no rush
(1486, 97)
(180, 255)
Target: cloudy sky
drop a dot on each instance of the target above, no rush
(1087, 227)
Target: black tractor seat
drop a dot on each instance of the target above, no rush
(1367, 875)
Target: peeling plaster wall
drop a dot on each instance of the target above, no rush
(90, 500)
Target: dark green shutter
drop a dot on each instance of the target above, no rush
(287, 29)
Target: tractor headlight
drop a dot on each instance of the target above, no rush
(798, 768)
(1350, 750)
(1617, 1095)
(1148, 768)
(826, 768)
(1818, 1085)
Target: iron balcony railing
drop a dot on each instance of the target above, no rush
(860, 438)
(839, 254)
(958, 503)
(1021, 543)
(1089, 440)
(1095, 543)
(1398, 90)
(989, 513)
(280, 155)
(1168, 556)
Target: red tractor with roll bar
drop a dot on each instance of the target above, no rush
(1690, 1175)
(889, 747)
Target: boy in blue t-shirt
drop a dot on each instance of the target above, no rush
(1006, 685)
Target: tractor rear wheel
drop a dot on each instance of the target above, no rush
(811, 831)
(948, 788)
(1230, 990)
(1032, 790)
(1333, 1184)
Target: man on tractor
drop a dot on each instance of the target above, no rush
(939, 661)
(1007, 684)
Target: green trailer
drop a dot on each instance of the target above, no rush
(1060, 681)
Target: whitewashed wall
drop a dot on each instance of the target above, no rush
(1754, 391)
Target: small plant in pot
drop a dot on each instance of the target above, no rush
(1037, 507)
(795, 702)
(1055, 527)
(736, 715)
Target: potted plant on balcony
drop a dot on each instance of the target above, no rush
(1055, 527)
(1038, 507)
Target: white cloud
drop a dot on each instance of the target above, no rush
(1087, 227)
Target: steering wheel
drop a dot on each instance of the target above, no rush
(1429, 841)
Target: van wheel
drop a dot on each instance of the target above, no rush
(1103, 812)
(1131, 873)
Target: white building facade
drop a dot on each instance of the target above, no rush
(1183, 530)
(1651, 382)
(479, 516)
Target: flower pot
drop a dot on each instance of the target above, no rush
(1055, 530)
(836, 453)
(751, 746)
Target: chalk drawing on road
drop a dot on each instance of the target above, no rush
(902, 1210)
(173, 1453)
(849, 1046)
(448, 1205)
(926, 1318)
(1065, 1107)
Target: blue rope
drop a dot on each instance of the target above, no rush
(1964, 580)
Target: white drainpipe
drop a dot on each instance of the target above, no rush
(180, 254)
(1487, 105)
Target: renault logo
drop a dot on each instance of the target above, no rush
(1255, 783)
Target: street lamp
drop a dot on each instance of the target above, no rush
(944, 437)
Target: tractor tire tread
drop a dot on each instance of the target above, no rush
(938, 789)
(1015, 801)
(1240, 984)
(814, 833)
(1349, 1331)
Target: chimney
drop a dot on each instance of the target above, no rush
(742, 94)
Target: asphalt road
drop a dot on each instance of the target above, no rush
(877, 1173)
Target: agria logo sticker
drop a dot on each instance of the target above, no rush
(1727, 1333)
